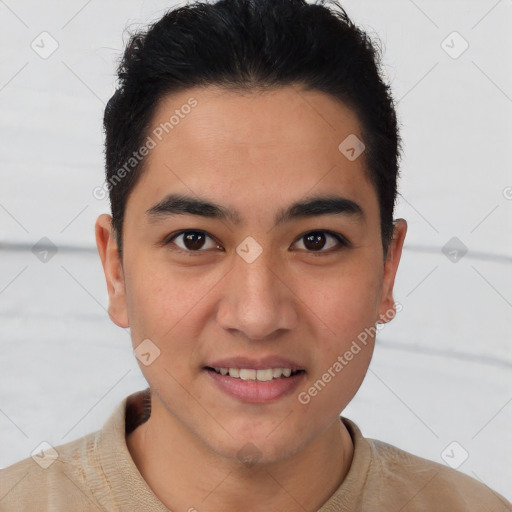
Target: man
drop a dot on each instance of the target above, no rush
(252, 157)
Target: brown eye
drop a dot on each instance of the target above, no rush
(192, 241)
(315, 241)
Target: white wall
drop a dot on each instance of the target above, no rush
(442, 370)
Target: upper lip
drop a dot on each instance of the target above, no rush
(255, 364)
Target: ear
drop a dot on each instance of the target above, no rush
(387, 308)
(113, 269)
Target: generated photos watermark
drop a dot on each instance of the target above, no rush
(151, 142)
(344, 359)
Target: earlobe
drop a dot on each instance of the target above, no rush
(387, 308)
(113, 270)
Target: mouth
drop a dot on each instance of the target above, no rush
(266, 383)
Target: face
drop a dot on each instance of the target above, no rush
(251, 242)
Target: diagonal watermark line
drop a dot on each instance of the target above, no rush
(369, 369)
(286, 490)
(215, 488)
(14, 423)
(416, 494)
(198, 402)
(74, 218)
(501, 409)
(326, 326)
(492, 81)
(492, 211)
(311, 106)
(422, 280)
(13, 279)
(492, 490)
(419, 213)
(76, 14)
(84, 288)
(418, 82)
(486, 14)
(108, 391)
(14, 76)
(491, 286)
(14, 486)
(278, 425)
(424, 14)
(13, 13)
(14, 218)
(102, 102)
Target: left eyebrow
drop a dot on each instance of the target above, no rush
(178, 204)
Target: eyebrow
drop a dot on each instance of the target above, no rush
(178, 204)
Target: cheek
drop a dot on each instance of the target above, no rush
(348, 308)
(157, 299)
(346, 300)
(160, 305)
(167, 305)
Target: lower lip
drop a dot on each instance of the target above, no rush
(256, 391)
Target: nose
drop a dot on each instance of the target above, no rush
(257, 301)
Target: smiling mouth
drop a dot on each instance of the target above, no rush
(249, 374)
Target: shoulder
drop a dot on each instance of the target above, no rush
(93, 473)
(418, 484)
(42, 481)
(386, 478)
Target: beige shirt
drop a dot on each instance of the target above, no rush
(97, 473)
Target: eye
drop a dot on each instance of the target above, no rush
(192, 241)
(315, 241)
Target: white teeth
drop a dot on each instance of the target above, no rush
(247, 374)
(264, 375)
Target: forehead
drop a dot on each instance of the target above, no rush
(263, 144)
(275, 119)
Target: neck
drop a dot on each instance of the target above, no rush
(185, 475)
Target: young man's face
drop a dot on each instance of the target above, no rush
(209, 298)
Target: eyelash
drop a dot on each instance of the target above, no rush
(343, 242)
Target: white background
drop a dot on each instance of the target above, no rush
(442, 370)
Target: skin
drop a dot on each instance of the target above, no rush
(256, 153)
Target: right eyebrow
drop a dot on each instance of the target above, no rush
(176, 204)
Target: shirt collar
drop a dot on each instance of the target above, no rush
(130, 492)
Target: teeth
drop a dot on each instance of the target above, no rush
(247, 374)
(264, 375)
(234, 372)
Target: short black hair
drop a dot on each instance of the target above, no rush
(249, 45)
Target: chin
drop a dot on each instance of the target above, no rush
(259, 448)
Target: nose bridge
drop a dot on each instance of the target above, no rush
(257, 277)
(256, 300)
